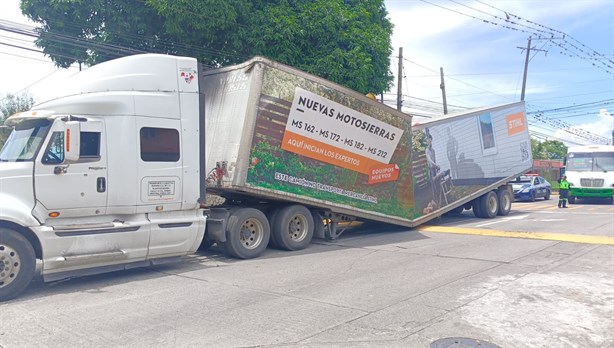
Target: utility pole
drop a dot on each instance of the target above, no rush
(400, 80)
(526, 67)
(443, 92)
(526, 61)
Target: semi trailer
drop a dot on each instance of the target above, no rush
(114, 170)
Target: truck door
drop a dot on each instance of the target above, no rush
(160, 173)
(83, 234)
(76, 189)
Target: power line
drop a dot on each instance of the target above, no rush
(602, 56)
(507, 23)
(112, 49)
(540, 117)
(465, 83)
(78, 42)
(553, 32)
(566, 127)
(575, 106)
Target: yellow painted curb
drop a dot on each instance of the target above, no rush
(562, 237)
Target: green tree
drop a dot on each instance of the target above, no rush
(548, 149)
(9, 105)
(94, 31)
(346, 41)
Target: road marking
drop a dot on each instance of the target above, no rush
(562, 237)
(515, 217)
(490, 223)
(550, 207)
(518, 217)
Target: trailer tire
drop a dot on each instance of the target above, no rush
(17, 264)
(247, 234)
(477, 208)
(489, 205)
(293, 227)
(505, 202)
(271, 214)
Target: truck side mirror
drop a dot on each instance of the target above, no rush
(72, 145)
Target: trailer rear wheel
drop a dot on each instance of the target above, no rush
(271, 214)
(477, 208)
(489, 205)
(247, 234)
(505, 202)
(17, 264)
(293, 227)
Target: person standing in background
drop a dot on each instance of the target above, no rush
(563, 192)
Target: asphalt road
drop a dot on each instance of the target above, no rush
(540, 277)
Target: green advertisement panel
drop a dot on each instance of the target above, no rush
(314, 141)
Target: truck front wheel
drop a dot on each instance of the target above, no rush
(293, 227)
(17, 263)
(247, 234)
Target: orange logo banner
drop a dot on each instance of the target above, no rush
(383, 173)
(515, 123)
(326, 153)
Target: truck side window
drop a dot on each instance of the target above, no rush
(159, 144)
(55, 149)
(90, 145)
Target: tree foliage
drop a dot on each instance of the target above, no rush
(548, 149)
(9, 105)
(346, 41)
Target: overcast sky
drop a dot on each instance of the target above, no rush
(572, 84)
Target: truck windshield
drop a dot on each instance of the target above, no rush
(25, 140)
(590, 161)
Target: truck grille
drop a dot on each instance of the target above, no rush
(591, 182)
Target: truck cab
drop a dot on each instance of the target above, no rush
(105, 175)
